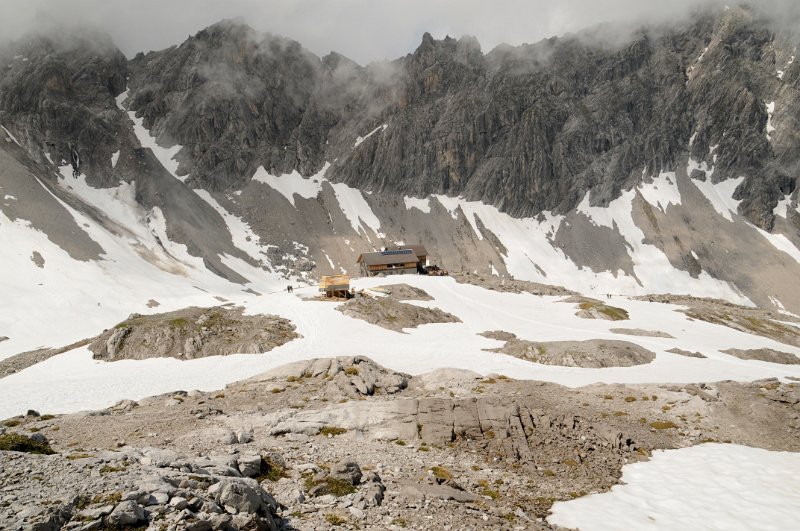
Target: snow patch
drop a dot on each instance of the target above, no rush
(164, 155)
(293, 183)
(782, 208)
(781, 73)
(777, 303)
(333, 266)
(423, 205)
(781, 242)
(652, 268)
(356, 209)
(450, 204)
(710, 486)
(12, 137)
(114, 159)
(360, 139)
(241, 233)
(662, 191)
(770, 127)
(720, 195)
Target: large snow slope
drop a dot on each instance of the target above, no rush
(74, 381)
(706, 487)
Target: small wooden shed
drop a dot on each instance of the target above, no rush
(337, 286)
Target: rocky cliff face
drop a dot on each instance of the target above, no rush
(57, 93)
(526, 129)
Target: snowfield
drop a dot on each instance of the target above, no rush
(706, 487)
(74, 381)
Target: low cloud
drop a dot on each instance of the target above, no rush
(364, 30)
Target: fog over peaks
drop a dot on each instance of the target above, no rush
(364, 30)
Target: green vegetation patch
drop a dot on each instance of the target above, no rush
(14, 442)
(333, 431)
(271, 470)
(439, 472)
(663, 425)
(612, 312)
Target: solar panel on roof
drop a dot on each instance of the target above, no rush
(401, 251)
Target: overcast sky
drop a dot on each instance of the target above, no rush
(364, 30)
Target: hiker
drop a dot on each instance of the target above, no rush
(289, 289)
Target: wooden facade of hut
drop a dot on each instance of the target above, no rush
(391, 262)
(419, 250)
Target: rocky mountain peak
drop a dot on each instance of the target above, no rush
(57, 92)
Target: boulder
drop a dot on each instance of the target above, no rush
(346, 471)
(242, 496)
(250, 465)
(126, 513)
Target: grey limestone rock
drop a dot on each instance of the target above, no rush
(126, 513)
(347, 471)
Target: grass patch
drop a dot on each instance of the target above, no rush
(399, 522)
(570, 462)
(292, 379)
(276, 390)
(335, 519)
(82, 502)
(423, 449)
(271, 471)
(630, 399)
(107, 469)
(12, 423)
(608, 397)
(548, 473)
(663, 425)
(180, 322)
(110, 499)
(331, 431)
(351, 371)
(14, 442)
(74, 457)
(620, 414)
(336, 487)
(400, 442)
(439, 472)
(486, 491)
(47, 417)
(541, 506)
